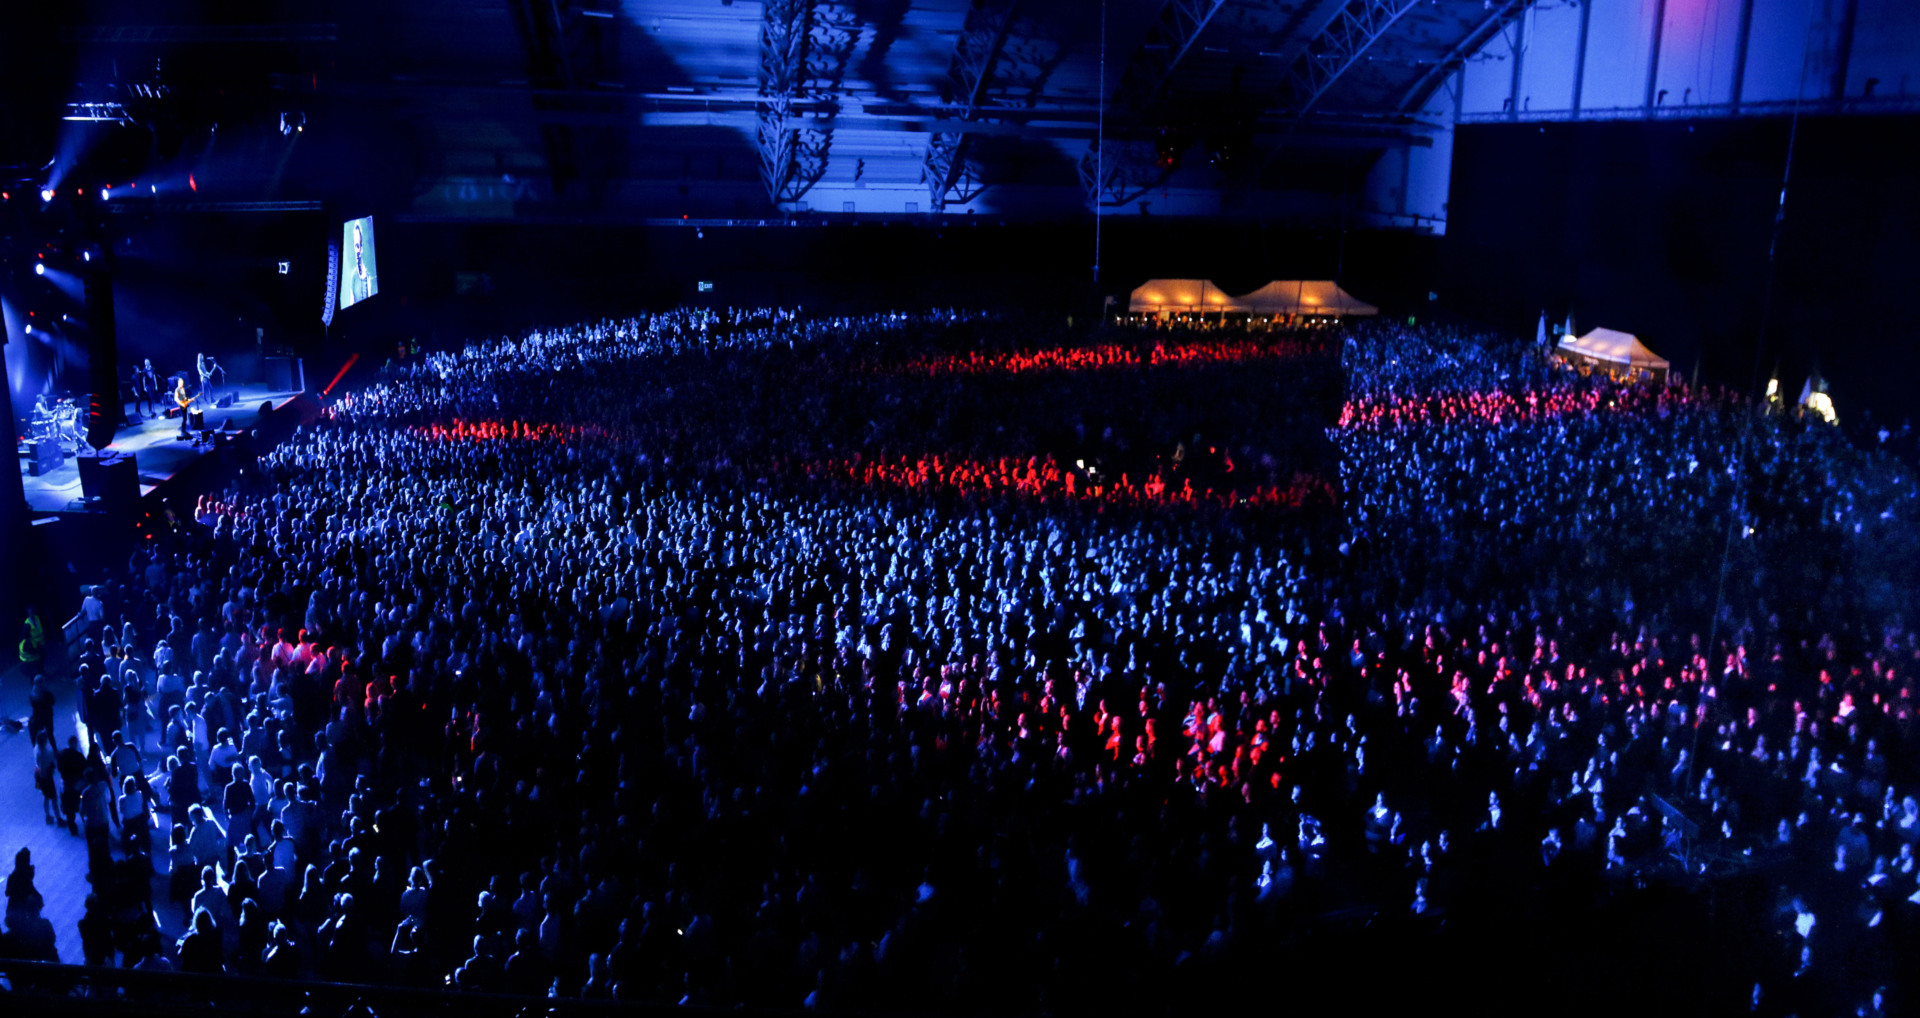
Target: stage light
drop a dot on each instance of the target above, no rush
(40, 269)
(29, 328)
(86, 256)
(46, 194)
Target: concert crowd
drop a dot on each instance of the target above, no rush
(626, 661)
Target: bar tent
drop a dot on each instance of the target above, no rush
(1614, 351)
(1182, 296)
(1306, 297)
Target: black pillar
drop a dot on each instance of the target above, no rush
(1740, 56)
(103, 353)
(1580, 55)
(13, 525)
(1653, 58)
(1843, 50)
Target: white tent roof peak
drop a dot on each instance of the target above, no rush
(1614, 347)
(1305, 297)
(1157, 295)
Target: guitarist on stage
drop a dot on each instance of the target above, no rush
(180, 396)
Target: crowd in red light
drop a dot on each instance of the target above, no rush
(1041, 477)
(1114, 355)
(1385, 412)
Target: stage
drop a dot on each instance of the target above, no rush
(157, 448)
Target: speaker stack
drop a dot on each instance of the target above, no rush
(112, 477)
(43, 456)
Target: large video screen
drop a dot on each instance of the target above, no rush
(359, 273)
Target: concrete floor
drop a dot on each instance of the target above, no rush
(59, 858)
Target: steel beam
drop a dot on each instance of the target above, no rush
(1475, 40)
(1653, 58)
(949, 173)
(1345, 42)
(109, 35)
(1739, 56)
(542, 37)
(1302, 33)
(135, 205)
(804, 47)
(1125, 174)
(1878, 105)
(1519, 62)
(1843, 49)
(784, 28)
(1580, 51)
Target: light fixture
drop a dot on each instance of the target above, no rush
(90, 112)
(46, 194)
(40, 269)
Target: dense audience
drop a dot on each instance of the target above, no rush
(629, 661)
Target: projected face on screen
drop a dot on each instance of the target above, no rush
(359, 274)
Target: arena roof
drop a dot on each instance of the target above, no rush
(736, 108)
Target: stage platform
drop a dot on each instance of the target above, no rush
(158, 450)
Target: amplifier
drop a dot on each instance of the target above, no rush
(43, 456)
(198, 422)
(112, 477)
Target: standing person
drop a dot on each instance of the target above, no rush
(23, 899)
(136, 823)
(46, 763)
(72, 766)
(180, 397)
(33, 642)
(97, 815)
(146, 387)
(359, 277)
(40, 710)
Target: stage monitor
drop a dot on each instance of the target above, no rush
(359, 273)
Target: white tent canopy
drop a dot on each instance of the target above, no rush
(1305, 297)
(1613, 347)
(1157, 296)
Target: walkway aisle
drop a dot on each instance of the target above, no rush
(59, 858)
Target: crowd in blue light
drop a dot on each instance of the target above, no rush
(535, 668)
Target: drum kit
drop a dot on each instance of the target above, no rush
(60, 421)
